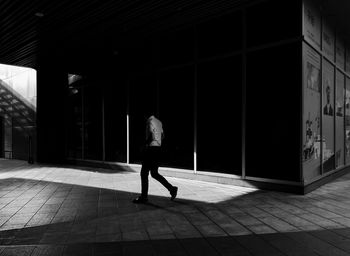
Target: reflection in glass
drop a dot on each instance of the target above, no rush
(74, 118)
(18, 108)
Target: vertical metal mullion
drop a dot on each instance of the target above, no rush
(335, 70)
(302, 55)
(244, 84)
(195, 100)
(335, 115)
(127, 121)
(103, 127)
(302, 106)
(321, 97)
(82, 123)
(321, 114)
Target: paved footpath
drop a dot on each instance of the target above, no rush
(50, 210)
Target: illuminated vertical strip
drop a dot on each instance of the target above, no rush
(195, 105)
(244, 95)
(127, 122)
(195, 161)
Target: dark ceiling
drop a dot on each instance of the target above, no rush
(86, 24)
(81, 25)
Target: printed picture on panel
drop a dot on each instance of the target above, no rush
(328, 109)
(339, 106)
(312, 77)
(311, 147)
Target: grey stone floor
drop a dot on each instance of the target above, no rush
(50, 210)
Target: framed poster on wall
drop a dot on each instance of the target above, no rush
(311, 136)
(339, 119)
(312, 23)
(328, 117)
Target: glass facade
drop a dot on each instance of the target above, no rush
(219, 132)
(74, 121)
(240, 93)
(193, 77)
(115, 121)
(143, 91)
(96, 119)
(176, 111)
(18, 112)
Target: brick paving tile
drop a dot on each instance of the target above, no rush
(78, 250)
(87, 211)
(167, 247)
(257, 246)
(54, 238)
(138, 248)
(288, 246)
(278, 224)
(48, 250)
(227, 246)
(313, 243)
(342, 221)
(323, 222)
(137, 235)
(19, 250)
(198, 247)
(343, 232)
(333, 238)
(261, 229)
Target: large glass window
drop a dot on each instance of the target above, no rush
(74, 117)
(92, 121)
(219, 129)
(176, 113)
(143, 98)
(18, 97)
(273, 113)
(115, 120)
(84, 118)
